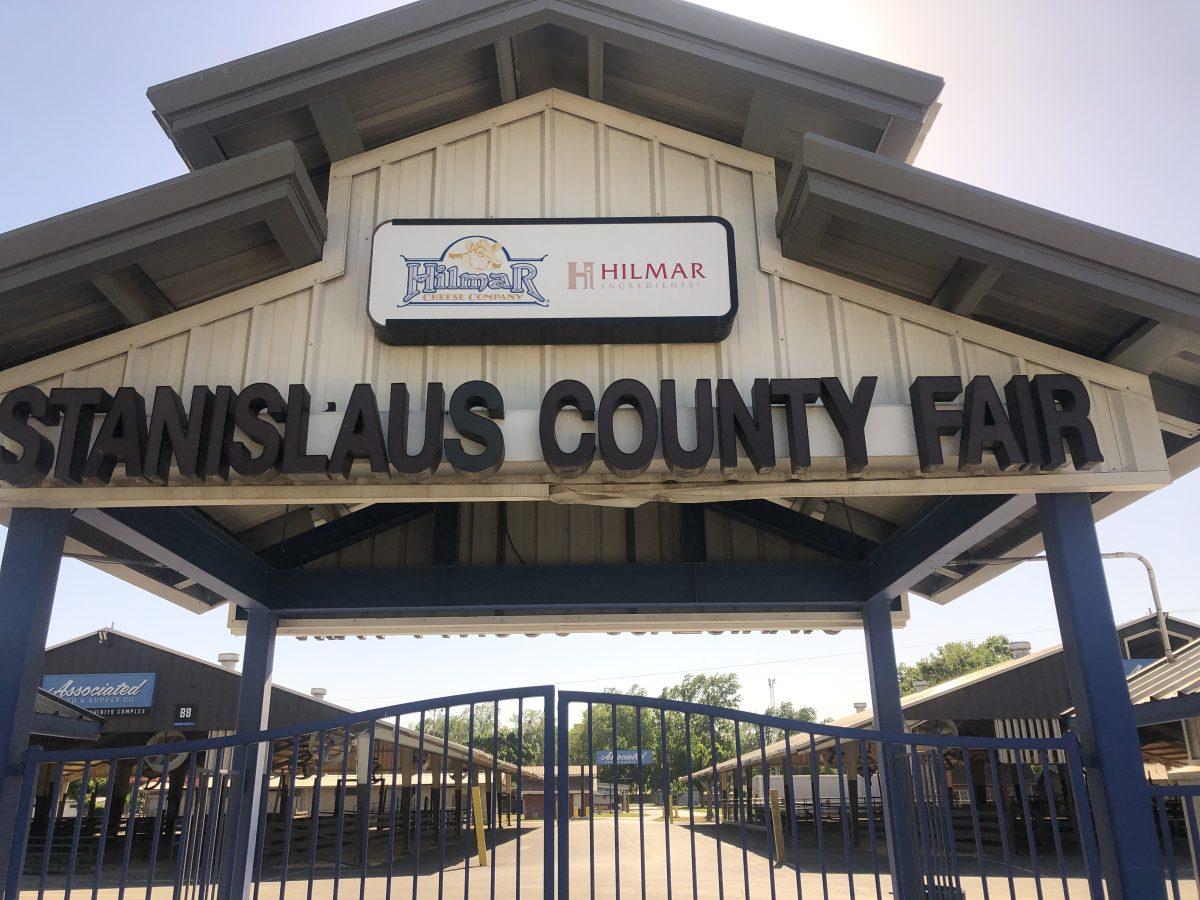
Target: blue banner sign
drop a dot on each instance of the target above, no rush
(624, 757)
(118, 694)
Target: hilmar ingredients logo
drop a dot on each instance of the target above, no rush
(633, 275)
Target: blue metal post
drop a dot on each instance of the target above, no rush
(1104, 714)
(28, 575)
(896, 788)
(254, 704)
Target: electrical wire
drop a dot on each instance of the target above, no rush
(744, 665)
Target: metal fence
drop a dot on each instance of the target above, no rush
(506, 795)
(1177, 815)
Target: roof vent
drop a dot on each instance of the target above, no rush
(318, 693)
(228, 661)
(1018, 649)
(860, 707)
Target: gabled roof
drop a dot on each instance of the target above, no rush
(153, 251)
(431, 62)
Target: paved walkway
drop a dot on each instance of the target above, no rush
(615, 871)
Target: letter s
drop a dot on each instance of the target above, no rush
(36, 457)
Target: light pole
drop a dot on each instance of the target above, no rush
(1160, 614)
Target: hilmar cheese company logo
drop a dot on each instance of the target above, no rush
(473, 270)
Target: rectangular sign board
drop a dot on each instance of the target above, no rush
(624, 757)
(115, 694)
(534, 281)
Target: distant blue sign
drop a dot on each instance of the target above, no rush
(119, 694)
(624, 757)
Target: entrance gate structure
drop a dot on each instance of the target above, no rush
(552, 316)
(373, 803)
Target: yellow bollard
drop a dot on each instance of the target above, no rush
(480, 836)
(777, 827)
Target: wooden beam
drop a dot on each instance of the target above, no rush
(134, 295)
(337, 127)
(1151, 345)
(506, 70)
(966, 286)
(595, 67)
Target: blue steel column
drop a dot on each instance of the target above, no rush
(896, 788)
(28, 575)
(254, 704)
(1104, 713)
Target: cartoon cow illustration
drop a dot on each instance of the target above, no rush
(480, 255)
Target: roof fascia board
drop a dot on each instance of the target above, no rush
(303, 71)
(1008, 251)
(270, 185)
(753, 38)
(640, 30)
(296, 74)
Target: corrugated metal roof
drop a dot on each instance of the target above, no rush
(1165, 678)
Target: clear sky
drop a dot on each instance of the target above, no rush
(1084, 108)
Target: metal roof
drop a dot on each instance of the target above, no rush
(1167, 678)
(427, 63)
(153, 251)
(982, 255)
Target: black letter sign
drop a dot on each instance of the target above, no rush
(474, 427)
(1062, 409)
(930, 422)
(627, 392)
(567, 463)
(37, 453)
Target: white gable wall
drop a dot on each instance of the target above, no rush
(553, 155)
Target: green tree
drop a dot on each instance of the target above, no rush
(788, 710)
(951, 660)
(706, 734)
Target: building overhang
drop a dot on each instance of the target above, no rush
(153, 251)
(988, 257)
(427, 63)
